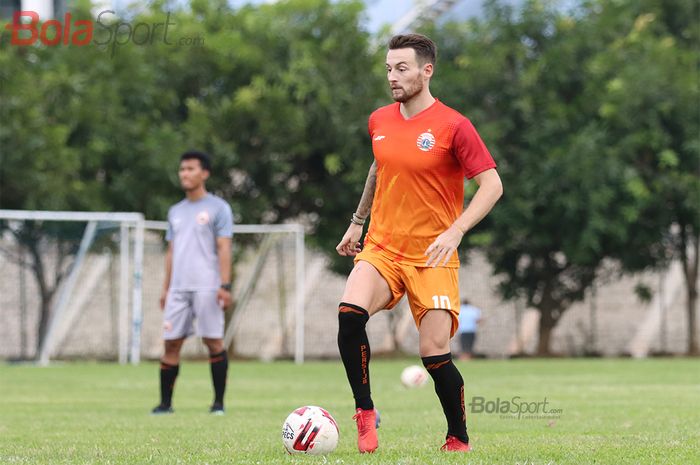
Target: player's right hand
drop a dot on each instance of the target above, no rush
(163, 296)
(350, 245)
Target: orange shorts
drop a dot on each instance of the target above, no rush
(427, 288)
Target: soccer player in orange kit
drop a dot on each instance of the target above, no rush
(422, 151)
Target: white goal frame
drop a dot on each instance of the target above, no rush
(131, 350)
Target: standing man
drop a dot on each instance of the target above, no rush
(469, 319)
(197, 279)
(422, 151)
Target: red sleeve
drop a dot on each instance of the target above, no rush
(470, 150)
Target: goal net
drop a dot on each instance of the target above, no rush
(266, 320)
(87, 285)
(71, 284)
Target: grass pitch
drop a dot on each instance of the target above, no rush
(612, 412)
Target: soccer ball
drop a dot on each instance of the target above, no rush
(414, 376)
(310, 430)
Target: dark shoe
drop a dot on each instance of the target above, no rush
(162, 410)
(217, 409)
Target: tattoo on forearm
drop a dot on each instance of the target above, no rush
(365, 205)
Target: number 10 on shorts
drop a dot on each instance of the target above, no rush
(442, 301)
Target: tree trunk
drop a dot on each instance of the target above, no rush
(691, 277)
(44, 292)
(693, 348)
(30, 237)
(547, 324)
(43, 324)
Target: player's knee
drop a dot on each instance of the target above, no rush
(429, 346)
(172, 347)
(215, 347)
(351, 318)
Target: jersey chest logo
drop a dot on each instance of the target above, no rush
(203, 217)
(426, 141)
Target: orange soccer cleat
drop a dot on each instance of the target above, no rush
(366, 430)
(455, 445)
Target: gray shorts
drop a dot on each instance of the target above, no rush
(181, 309)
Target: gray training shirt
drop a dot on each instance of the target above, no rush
(193, 228)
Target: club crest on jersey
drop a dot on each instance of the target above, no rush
(203, 217)
(425, 141)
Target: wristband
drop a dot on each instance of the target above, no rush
(226, 287)
(357, 220)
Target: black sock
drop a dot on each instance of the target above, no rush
(449, 387)
(354, 350)
(219, 367)
(168, 375)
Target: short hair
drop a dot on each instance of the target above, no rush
(204, 159)
(426, 50)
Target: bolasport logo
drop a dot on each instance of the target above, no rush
(515, 408)
(106, 31)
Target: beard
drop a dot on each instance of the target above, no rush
(404, 94)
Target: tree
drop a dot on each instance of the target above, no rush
(649, 98)
(525, 78)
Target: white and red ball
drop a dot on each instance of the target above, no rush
(414, 376)
(310, 430)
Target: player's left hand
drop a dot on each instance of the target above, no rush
(442, 248)
(224, 298)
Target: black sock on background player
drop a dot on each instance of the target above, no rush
(354, 351)
(449, 387)
(168, 376)
(219, 368)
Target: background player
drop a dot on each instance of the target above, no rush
(469, 319)
(197, 278)
(415, 188)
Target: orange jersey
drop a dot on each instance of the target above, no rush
(421, 165)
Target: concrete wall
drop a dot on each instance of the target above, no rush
(265, 331)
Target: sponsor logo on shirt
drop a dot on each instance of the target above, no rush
(379, 137)
(425, 141)
(203, 217)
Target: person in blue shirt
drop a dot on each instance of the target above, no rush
(469, 318)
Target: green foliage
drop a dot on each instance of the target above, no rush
(286, 111)
(81, 131)
(648, 103)
(280, 94)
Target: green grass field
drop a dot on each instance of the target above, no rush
(613, 412)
